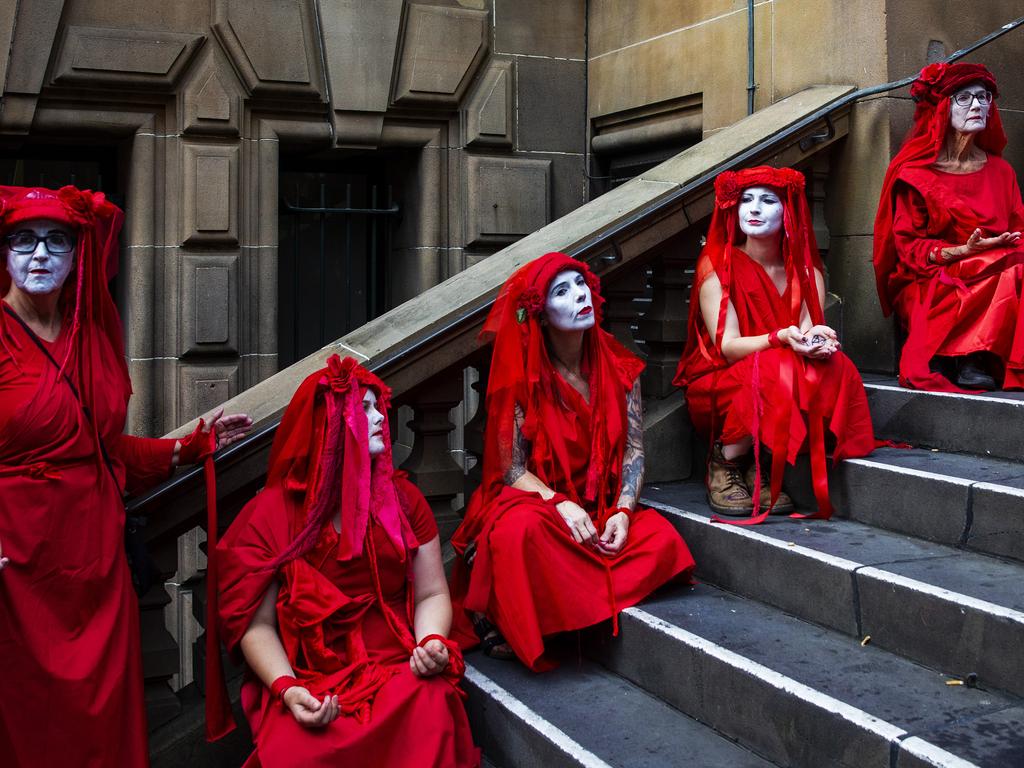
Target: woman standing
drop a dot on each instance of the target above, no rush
(69, 623)
(554, 534)
(760, 365)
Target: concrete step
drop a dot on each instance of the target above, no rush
(955, 611)
(582, 715)
(804, 696)
(986, 424)
(959, 500)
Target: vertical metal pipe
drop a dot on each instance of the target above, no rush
(375, 223)
(323, 264)
(751, 85)
(348, 259)
(294, 263)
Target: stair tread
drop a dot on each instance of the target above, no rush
(974, 575)
(972, 723)
(879, 381)
(976, 469)
(617, 721)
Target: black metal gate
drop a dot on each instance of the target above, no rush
(335, 237)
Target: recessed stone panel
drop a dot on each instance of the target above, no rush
(490, 109)
(211, 194)
(209, 304)
(507, 198)
(212, 99)
(127, 57)
(202, 388)
(441, 49)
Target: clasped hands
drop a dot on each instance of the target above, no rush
(976, 243)
(311, 712)
(610, 542)
(818, 342)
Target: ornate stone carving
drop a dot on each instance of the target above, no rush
(441, 49)
(488, 114)
(124, 57)
(508, 198)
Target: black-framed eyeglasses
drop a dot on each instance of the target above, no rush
(964, 98)
(26, 241)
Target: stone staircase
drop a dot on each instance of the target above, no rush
(892, 636)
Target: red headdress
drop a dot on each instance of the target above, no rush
(799, 253)
(932, 91)
(321, 452)
(522, 374)
(86, 302)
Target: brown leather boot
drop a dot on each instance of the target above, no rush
(783, 505)
(727, 493)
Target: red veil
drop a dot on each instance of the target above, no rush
(521, 374)
(86, 300)
(932, 91)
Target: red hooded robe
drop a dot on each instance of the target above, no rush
(972, 304)
(782, 399)
(529, 576)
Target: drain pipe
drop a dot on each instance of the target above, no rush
(751, 85)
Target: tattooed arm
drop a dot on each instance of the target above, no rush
(520, 448)
(633, 457)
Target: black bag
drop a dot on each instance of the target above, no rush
(140, 562)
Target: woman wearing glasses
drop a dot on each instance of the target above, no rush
(948, 252)
(69, 624)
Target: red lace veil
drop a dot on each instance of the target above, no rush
(85, 297)
(799, 253)
(521, 374)
(932, 91)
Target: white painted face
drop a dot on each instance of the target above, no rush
(375, 420)
(973, 116)
(39, 272)
(760, 212)
(569, 305)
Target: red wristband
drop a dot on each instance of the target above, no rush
(627, 510)
(558, 498)
(773, 339)
(422, 643)
(197, 446)
(282, 684)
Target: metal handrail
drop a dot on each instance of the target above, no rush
(594, 243)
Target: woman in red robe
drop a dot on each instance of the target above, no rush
(554, 535)
(948, 255)
(69, 622)
(332, 589)
(760, 366)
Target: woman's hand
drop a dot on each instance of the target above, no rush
(976, 244)
(229, 429)
(824, 342)
(803, 344)
(616, 529)
(308, 710)
(429, 660)
(580, 525)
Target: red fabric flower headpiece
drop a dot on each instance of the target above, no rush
(729, 185)
(932, 91)
(321, 454)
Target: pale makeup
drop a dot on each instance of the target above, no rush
(375, 421)
(569, 305)
(760, 212)
(40, 272)
(972, 118)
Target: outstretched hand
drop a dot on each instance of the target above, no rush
(977, 243)
(229, 429)
(308, 710)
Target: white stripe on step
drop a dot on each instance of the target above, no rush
(997, 488)
(963, 601)
(969, 398)
(739, 530)
(929, 754)
(518, 709)
(896, 468)
(822, 701)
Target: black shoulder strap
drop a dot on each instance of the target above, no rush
(74, 390)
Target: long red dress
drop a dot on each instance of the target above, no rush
(69, 621)
(335, 634)
(969, 305)
(972, 304)
(529, 576)
(783, 400)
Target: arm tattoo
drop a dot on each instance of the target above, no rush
(520, 449)
(633, 456)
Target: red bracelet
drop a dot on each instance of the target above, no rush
(774, 341)
(558, 498)
(282, 684)
(423, 643)
(627, 510)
